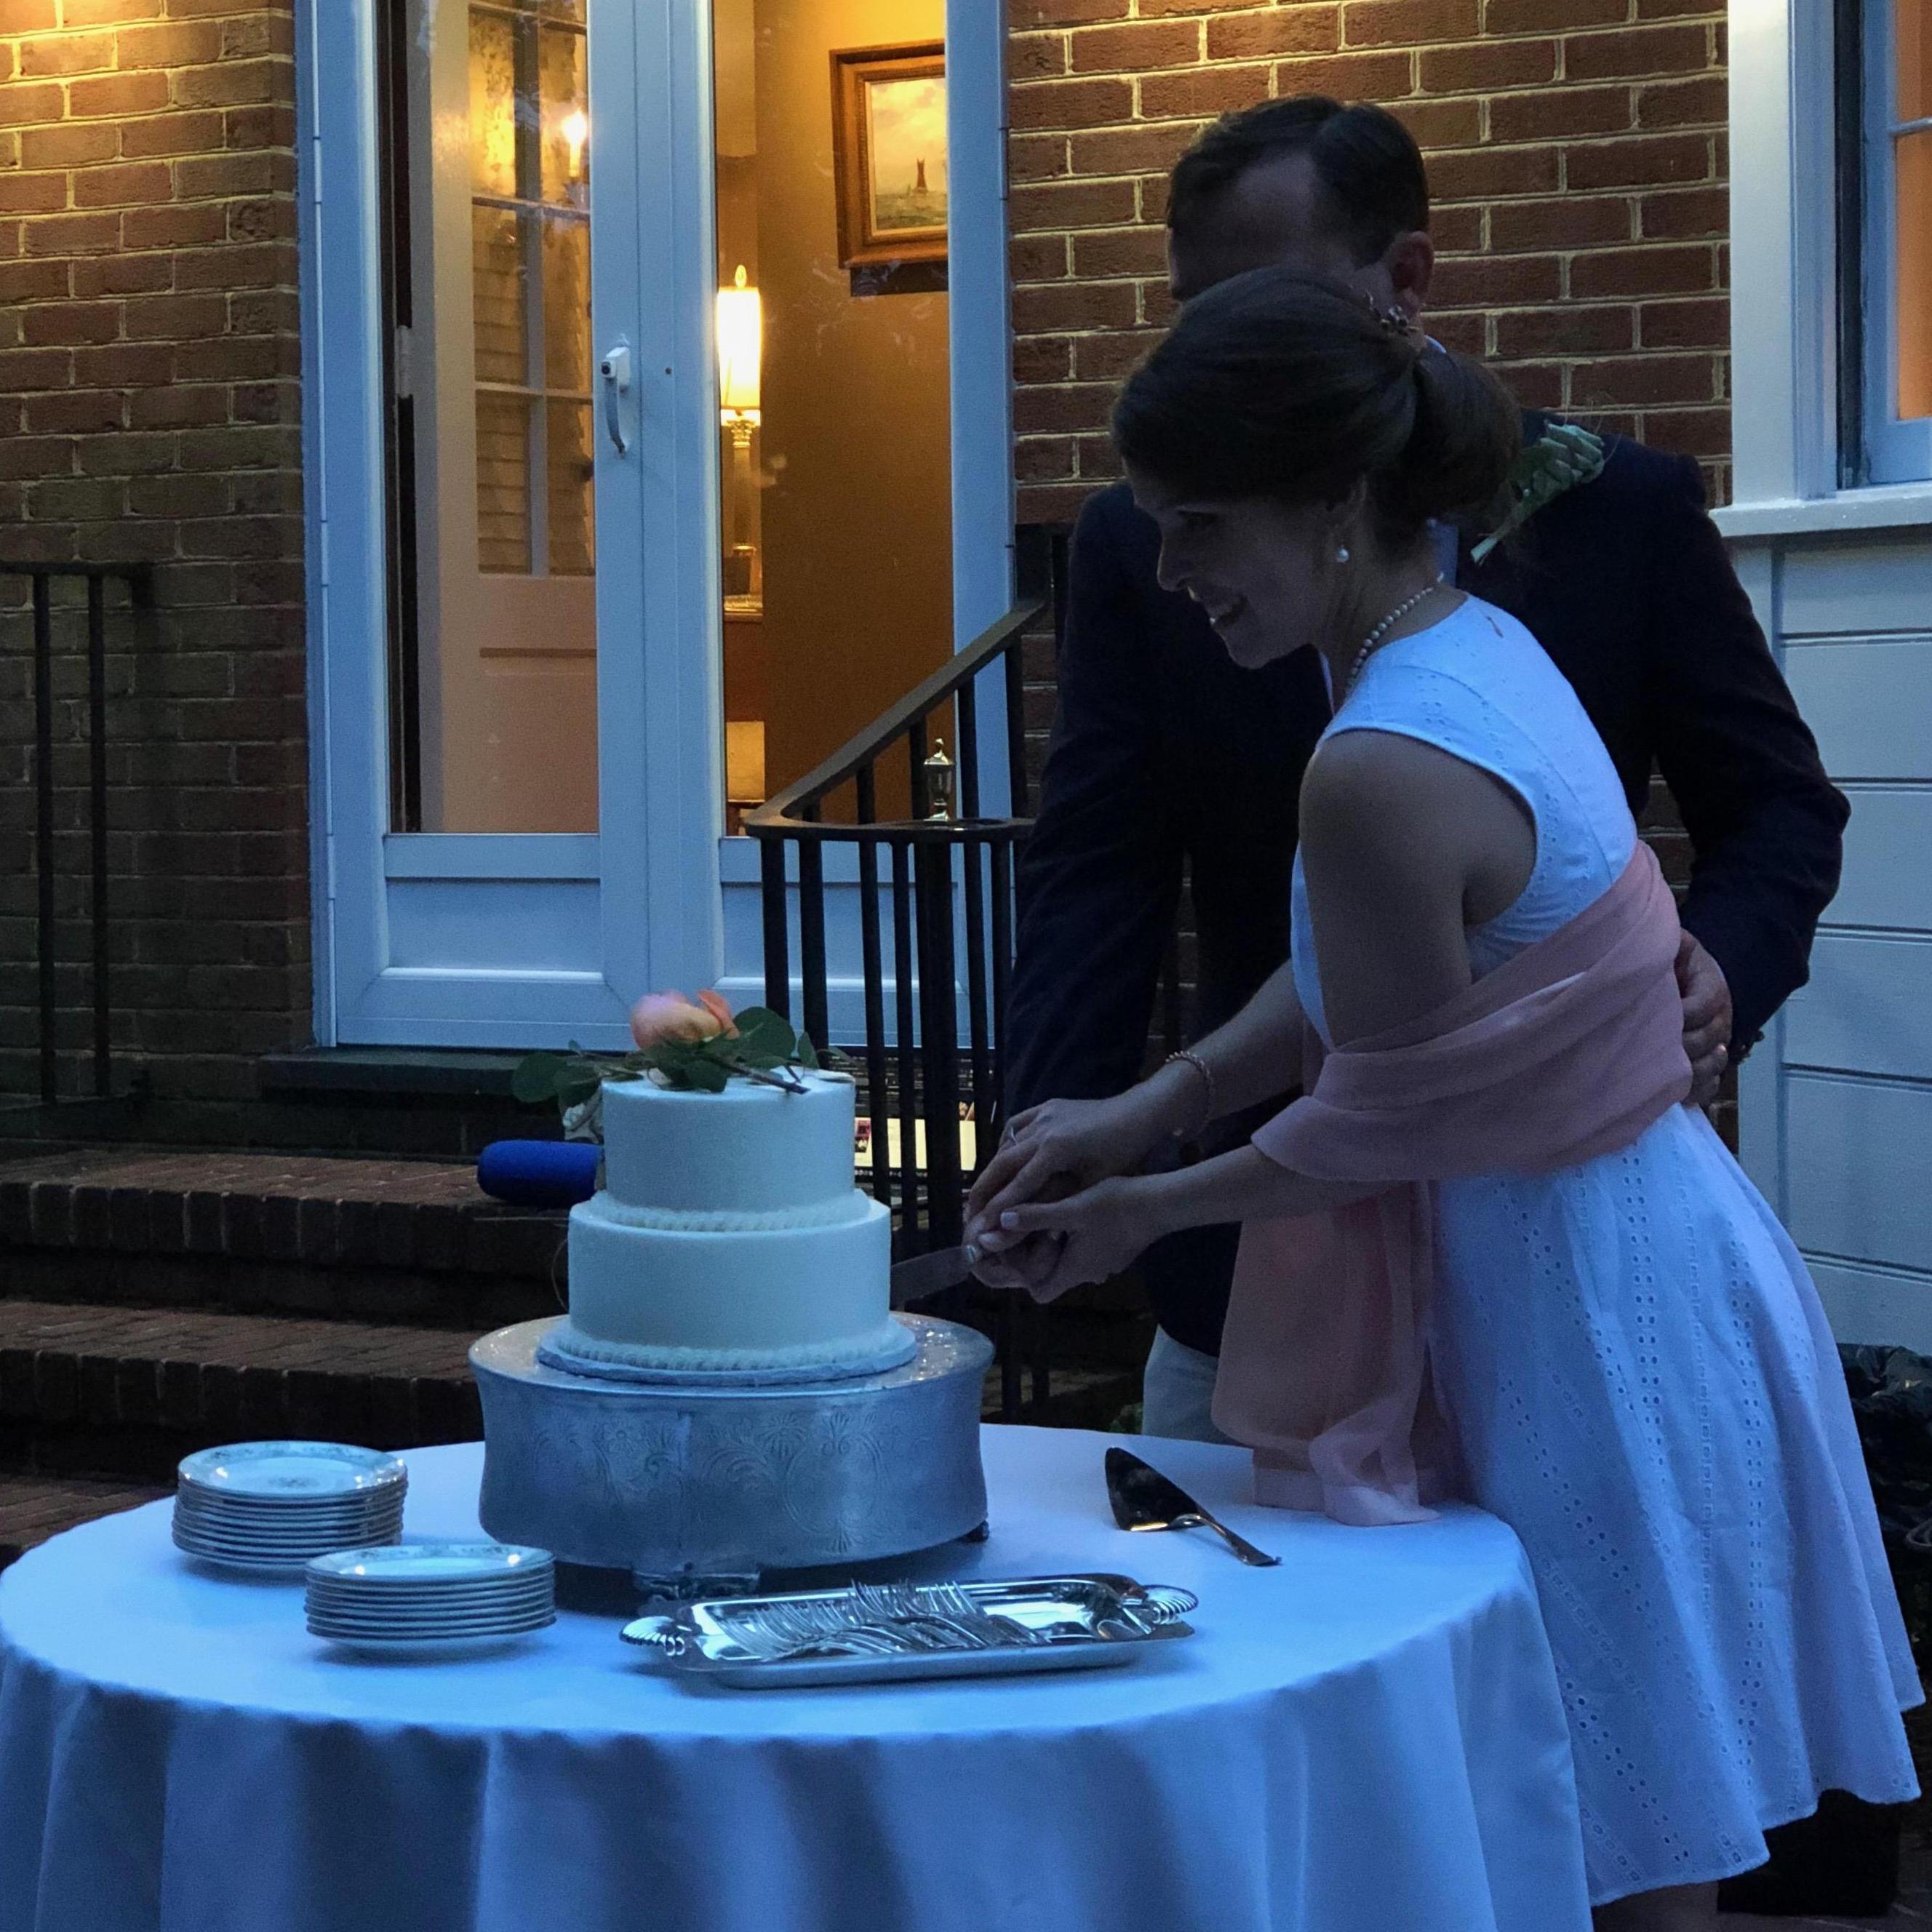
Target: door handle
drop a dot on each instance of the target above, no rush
(615, 369)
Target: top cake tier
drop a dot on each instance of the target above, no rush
(751, 1150)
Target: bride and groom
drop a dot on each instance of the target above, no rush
(1488, 1253)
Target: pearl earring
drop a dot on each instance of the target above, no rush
(1342, 553)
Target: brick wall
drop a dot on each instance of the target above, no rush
(149, 393)
(1576, 148)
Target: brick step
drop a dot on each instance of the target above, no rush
(414, 1241)
(33, 1508)
(125, 1392)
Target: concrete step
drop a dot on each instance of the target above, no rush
(318, 1235)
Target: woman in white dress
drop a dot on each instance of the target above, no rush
(1628, 1353)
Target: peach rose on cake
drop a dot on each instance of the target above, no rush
(661, 1017)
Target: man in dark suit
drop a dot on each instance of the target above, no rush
(1167, 758)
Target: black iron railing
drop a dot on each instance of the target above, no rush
(42, 578)
(935, 893)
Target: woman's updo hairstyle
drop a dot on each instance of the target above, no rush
(1276, 385)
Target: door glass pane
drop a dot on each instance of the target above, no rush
(835, 446)
(493, 713)
(1913, 231)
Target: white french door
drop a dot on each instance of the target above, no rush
(515, 599)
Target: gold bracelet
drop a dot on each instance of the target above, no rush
(1207, 1074)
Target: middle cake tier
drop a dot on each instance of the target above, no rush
(659, 1295)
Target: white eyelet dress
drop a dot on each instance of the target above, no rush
(1640, 1381)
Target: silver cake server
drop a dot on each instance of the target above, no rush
(1143, 1498)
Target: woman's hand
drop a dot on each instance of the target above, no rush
(1091, 1236)
(1073, 1143)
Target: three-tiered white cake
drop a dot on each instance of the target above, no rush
(729, 1242)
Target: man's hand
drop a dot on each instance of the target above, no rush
(1707, 1019)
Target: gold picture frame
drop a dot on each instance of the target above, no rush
(888, 153)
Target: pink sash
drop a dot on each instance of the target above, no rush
(1568, 1051)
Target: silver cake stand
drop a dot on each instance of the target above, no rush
(699, 1490)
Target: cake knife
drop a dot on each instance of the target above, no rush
(926, 1275)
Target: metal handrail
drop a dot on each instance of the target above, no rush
(916, 876)
(139, 576)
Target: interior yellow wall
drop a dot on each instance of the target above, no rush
(856, 509)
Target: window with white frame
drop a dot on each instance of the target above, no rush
(1887, 356)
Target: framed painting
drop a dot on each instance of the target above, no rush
(888, 153)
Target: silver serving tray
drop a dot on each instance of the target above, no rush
(1072, 1623)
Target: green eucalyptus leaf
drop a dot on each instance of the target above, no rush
(707, 1075)
(762, 1031)
(808, 1054)
(574, 1088)
(537, 1076)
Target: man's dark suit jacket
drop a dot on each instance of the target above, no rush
(1166, 755)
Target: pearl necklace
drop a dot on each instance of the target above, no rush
(1382, 630)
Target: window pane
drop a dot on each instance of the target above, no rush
(571, 542)
(567, 304)
(493, 102)
(1911, 35)
(1913, 233)
(835, 446)
(501, 296)
(565, 112)
(502, 484)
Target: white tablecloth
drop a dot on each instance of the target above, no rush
(1367, 1739)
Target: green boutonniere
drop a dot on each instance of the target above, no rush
(1561, 457)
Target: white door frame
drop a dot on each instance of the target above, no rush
(503, 940)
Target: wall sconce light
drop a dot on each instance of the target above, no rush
(576, 133)
(741, 338)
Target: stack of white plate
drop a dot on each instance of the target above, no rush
(271, 1506)
(419, 1599)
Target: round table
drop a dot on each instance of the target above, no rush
(1368, 1739)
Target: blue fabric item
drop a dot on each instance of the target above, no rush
(539, 1173)
(1369, 1738)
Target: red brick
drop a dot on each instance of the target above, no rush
(1702, 103)
(32, 194)
(178, 43)
(33, 281)
(126, 365)
(1478, 174)
(67, 53)
(1207, 90)
(1697, 212)
(123, 274)
(1559, 112)
(1275, 30)
(1070, 103)
(143, 182)
(171, 133)
(230, 84)
(1044, 412)
(28, 17)
(173, 227)
(69, 323)
(1685, 324)
(72, 234)
(75, 412)
(1039, 258)
(1043, 459)
(1643, 271)
(67, 145)
(1495, 281)
(1700, 433)
(1349, 76)
(1024, 13)
(1134, 50)
(118, 94)
(1642, 161)
(1484, 64)
(1456, 230)
(1385, 23)
(1036, 157)
(1036, 56)
(1642, 382)
(1122, 151)
(109, 12)
(1441, 123)
(1678, 49)
(1570, 221)
(1105, 253)
(1569, 330)
(1093, 305)
(1107, 359)
(1551, 17)
(1041, 359)
(22, 102)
